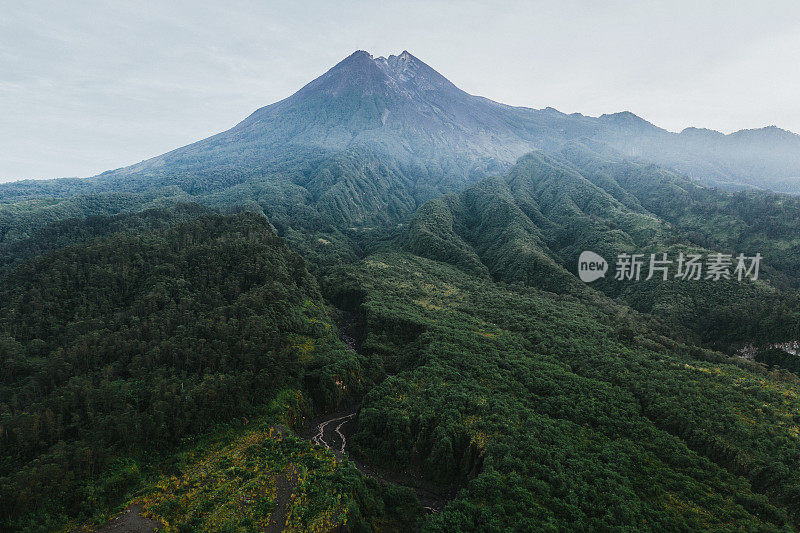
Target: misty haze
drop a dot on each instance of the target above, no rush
(372, 300)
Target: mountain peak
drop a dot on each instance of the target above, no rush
(406, 69)
(361, 72)
(695, 132)
(401, 108)
(768, 135)
(357, 72)
(360, 59)
(357, 56)
(629, 121)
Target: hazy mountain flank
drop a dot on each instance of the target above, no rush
(435, 135)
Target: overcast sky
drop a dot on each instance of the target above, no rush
(90, 86)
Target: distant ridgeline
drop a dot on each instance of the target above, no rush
(531, 224)
(163, 325)
(372, 138)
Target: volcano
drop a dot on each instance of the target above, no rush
(380, 135)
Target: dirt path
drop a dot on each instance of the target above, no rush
(284, 488)
(130, 521)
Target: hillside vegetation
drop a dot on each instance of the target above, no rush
(557, 413)
(384, 244)
(135, 343)
(530, 225)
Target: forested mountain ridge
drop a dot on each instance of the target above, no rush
(42, 239)
(360, 148)
(562, 412)
(212, 320)
(435, 136)
(764, 158)
(385, 242)
(531, 224)
(120, 350)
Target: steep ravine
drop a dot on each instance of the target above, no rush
(333, 429)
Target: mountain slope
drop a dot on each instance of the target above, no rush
(563, 413)
(530, 225)
(409, 111)
(447, 228)
(765, 158)
(404, 116)
(115, 352)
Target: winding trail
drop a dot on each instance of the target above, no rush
(329, 432)
(320, 440)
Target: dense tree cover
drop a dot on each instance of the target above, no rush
(151, 348)
(530, 226)
(559, 413)
(18, 191)
(71, 231)
(137, 341)
(777, 357)
(23, 219)
(710, 218)
(310, 196)
(123, 338)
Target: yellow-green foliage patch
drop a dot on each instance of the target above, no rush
(237, 485)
